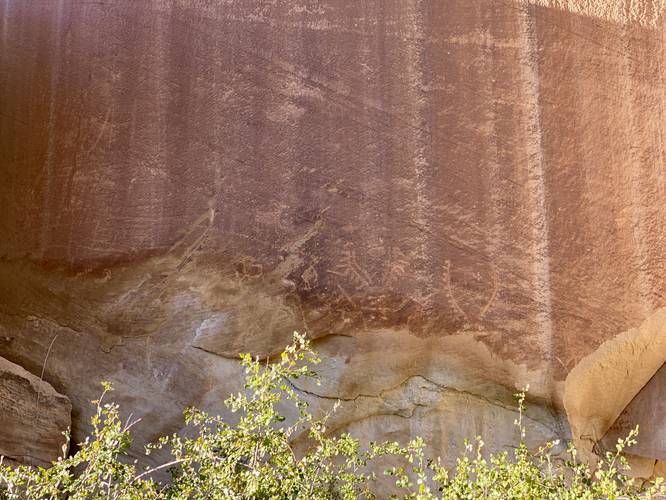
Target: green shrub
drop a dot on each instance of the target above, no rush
(254, 457)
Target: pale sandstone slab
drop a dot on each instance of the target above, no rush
(647, 410)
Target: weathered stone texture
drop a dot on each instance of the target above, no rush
(33, 417)
(451, 195)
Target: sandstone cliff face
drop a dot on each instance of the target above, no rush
(455, 198)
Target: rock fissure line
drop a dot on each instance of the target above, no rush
(443, 388)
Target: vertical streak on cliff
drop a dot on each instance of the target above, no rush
(4, 59)
(160, 72)
(496, 234)
(5, 145)
(644, 183)
(55, 61)
(3, 36)
(661, 136)
(419, 143)
(536, 186)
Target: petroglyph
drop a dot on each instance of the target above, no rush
(248, 269)
(351, 270)
(473, 307)
(396, 268)
(310, 277)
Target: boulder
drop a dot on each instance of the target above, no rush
(647, 411)
(33, 417)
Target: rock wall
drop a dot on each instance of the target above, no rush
(454, 198)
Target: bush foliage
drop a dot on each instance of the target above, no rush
(255, 458)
